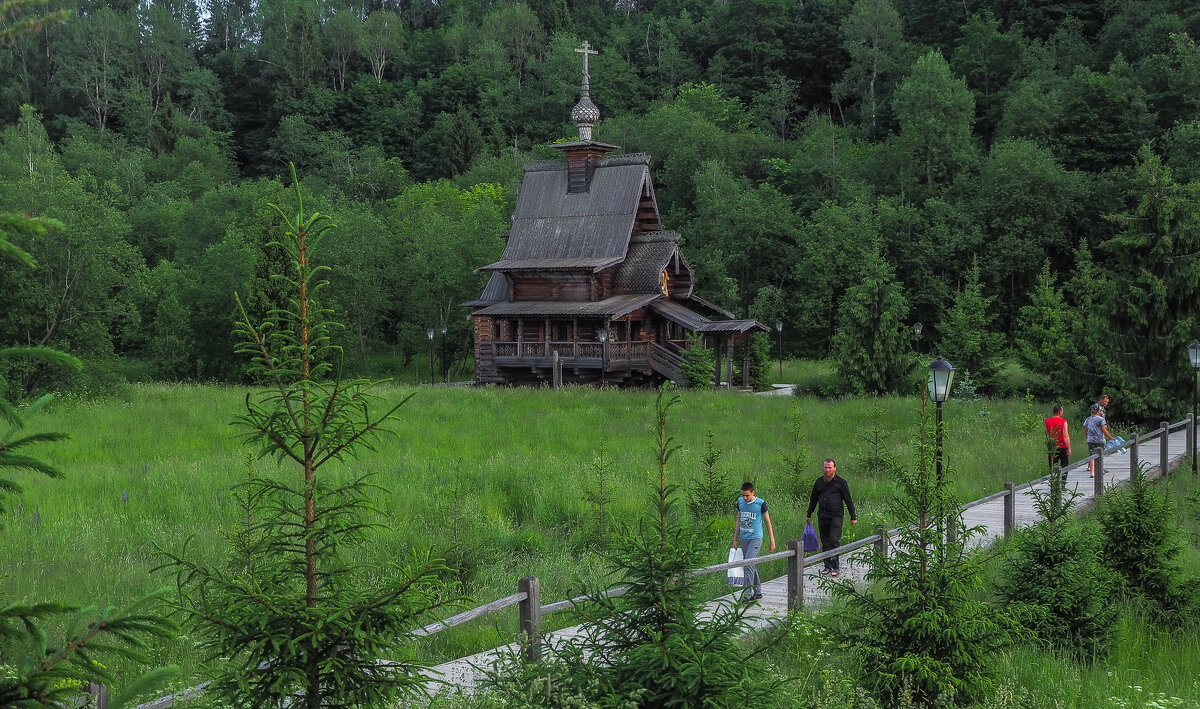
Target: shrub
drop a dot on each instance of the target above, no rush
(919, 629)
(1143, 543)
(1054, 572)
(698, 363)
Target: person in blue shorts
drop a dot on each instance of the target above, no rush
(748, 530)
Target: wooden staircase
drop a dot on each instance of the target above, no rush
(666, 362)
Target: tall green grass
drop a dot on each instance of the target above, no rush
(156, 467)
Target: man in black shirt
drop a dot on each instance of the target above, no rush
(829, 493)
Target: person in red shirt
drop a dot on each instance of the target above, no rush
(1056, 430)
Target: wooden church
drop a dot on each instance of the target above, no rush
(590, 287)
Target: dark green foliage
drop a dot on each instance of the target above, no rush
(710, 495)
(51, 674)
(919, 628)
(1044, 333)
(649, 646)
(305, 619)
(1054, 575)
(1149, 297)
(1143, 543)
(872, 347)
(698, 363)
(966, 338)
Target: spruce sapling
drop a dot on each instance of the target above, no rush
(710, 496)
(1143, 543)
(600, 495)
(919, 626)
(797, 459)
(312, 626)
(1053, 575)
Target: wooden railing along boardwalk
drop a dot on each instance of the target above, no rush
(999, 514)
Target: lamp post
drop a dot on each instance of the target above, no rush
(1194, 356)
(779, 329)
(941, 377)
(602, 335)
(917, 328)
(429, 332)
(445, 364)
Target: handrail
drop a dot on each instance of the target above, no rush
(465, 616)
(472, 614)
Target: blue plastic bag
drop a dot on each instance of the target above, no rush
(1115, 443)
(811, 542)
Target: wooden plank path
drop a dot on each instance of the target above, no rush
(464, 673)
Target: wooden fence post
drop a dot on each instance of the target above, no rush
(1010, 509)
(795, 576)
(1162, 449)
(1133, 456)
(555, 370)
(1098, 468)
(1191, 435)
(530, 625)
(97, 695)
(881, 545)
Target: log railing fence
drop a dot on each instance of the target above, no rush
(531, 611)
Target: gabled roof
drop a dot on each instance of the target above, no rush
(613, 307)
(589, 228)
(648, 255)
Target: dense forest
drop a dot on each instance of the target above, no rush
(1022, 176)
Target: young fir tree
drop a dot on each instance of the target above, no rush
(710, 495)
(601, 495)
(698, 363)
(1054, 574)
(872, 347)
(797, 459)
(965, 336)
(919, 627)
(310, 626)
(47, 671)
(1042, 337)
(655, 645)
(1143, 543)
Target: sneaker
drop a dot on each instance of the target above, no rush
(758, 597)
(833, 573)
(824, 572)
(748, 599)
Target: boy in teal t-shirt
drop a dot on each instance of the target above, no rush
(752, 511)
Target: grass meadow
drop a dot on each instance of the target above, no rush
(493, 479)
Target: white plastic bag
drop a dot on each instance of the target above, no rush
(735, 576)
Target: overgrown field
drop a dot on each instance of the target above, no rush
(494, 479)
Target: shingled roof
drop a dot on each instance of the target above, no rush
(649, 253)
(589, 229)
(613, 307)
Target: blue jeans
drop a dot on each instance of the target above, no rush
(750, 549)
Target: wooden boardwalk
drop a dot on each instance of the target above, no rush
(462, 674)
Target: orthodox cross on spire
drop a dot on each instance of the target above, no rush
(585, 49)
(585, 114)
